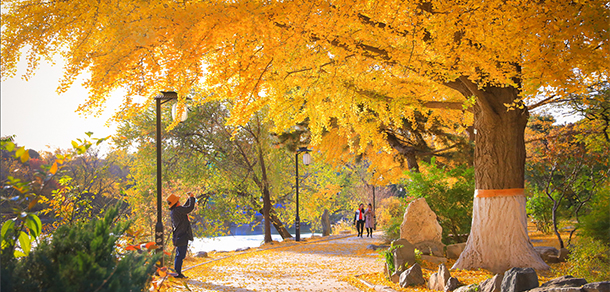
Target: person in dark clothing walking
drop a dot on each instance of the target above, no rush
(182, 231)
(359, 219)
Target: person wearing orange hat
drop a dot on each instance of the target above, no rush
(182, 231)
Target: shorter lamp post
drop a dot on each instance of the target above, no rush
(306, 161)
(161, 99)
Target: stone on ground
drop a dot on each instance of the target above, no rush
(452, 284)
(519, 279)
(421, 228)
(403, 256)
(492, 285)
(439, 279)
(597, 287)
(469, 288)
(412, 276)
(548, 254)
(434, 260)
(454, 250)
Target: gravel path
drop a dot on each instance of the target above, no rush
(321, 265)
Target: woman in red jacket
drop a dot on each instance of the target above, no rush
(359, 219)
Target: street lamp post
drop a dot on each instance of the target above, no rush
(160, 100)
(306, 161)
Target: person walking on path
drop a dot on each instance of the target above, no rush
(369, 224)
(359, 219)
(182, 231)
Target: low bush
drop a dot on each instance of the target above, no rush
(83, 257)
(589, 259)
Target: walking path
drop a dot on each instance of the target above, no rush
(315, 265)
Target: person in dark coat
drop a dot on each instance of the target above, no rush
(182, 231)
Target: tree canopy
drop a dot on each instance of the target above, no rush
(356, 65)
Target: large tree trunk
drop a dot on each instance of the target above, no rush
(498, 238)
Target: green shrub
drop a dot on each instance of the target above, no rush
(596, 224)
(392, 229)
(449, 193)
(590, 259)
(82, 258)
(539, 208)
(388, 255)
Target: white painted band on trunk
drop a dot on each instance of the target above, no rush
(498, 238)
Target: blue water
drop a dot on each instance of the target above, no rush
(230, 243)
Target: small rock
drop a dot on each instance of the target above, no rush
(597, 287)
(395, 277)
(563, 254)
(431, 248)
(202, 254)
(242, 249)
(548, 254)
(377, 247)
(439, 279)
(469, 288)
(412, 276)
(434, 260)
(452, 284)
(454, 250)
(519, 279)
(562, 284)
(565, 281)
(492, 285)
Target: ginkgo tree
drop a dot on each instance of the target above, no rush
(348, 67)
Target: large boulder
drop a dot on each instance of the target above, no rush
(548, 254)
(454, 250)
(519, 279)
(597, 287)
(420, 227)
(412, 276)
(403, 256)
(492, 285)
(439, 279)
(325, 223)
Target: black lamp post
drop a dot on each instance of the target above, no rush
(306, 161)
(161, 99)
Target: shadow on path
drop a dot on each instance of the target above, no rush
(215, 287)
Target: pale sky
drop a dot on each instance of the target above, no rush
(43, 120)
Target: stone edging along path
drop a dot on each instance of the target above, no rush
(294, 243)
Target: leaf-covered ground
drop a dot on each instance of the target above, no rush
(338, 263)
(312, 265)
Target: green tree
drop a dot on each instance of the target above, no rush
(564, 170)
